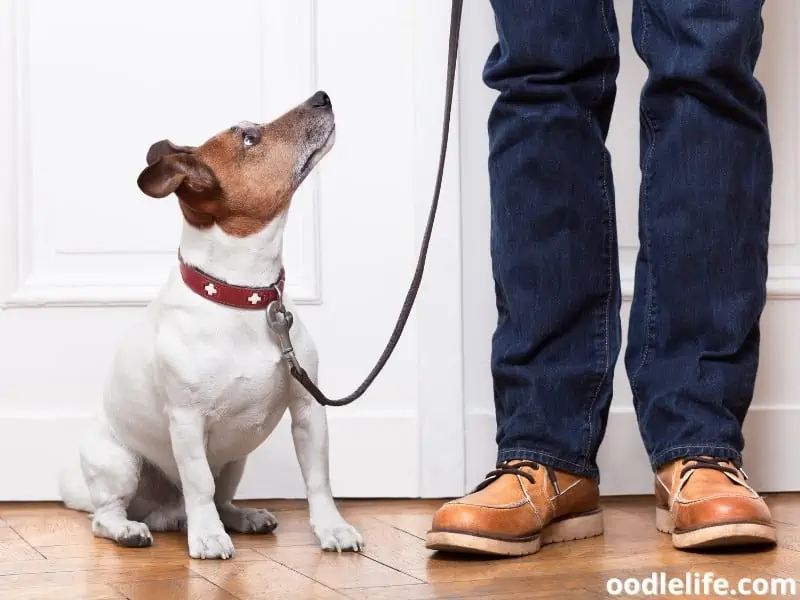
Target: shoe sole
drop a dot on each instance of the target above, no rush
(563, 530)
(716, 536)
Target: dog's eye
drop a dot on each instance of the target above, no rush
(251, 136)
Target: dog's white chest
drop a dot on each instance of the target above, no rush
(249, 391)
(224, 366)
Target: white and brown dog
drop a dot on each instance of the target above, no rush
(200, 383)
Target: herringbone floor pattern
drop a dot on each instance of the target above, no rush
(49, 553)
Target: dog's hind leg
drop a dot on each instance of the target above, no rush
(171, 517)
(235, 518)
(158, 502)
(112, 476)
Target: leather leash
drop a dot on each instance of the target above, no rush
(280, 320)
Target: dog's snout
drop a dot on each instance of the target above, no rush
(320, 100)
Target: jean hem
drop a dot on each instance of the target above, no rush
(661, 459)
(577, 468)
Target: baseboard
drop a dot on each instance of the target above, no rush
(364, 456)
(377, 456)
(771, 455)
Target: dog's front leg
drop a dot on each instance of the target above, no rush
(207, 537)
(310, 434)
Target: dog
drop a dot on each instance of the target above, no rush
(197, 386)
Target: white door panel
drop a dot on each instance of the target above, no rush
(86, 86)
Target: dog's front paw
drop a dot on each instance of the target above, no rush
(131, 534)
(135, 535)
(210, 545)
(341, 537)
(247, 520)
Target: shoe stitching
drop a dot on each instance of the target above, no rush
(668, 491)
(664, 485)
(565, 490)
(535, 510)
(563, 493)
(679, 497)
(741, 481)
(551, 497)
(677, 483)
(752, 494)
(686, 501)
(494, 506)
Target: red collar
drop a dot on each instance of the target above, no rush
(234, 296)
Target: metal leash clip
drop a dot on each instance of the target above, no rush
(280, 321)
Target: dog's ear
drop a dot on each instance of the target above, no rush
(165, 148)
(165, 175)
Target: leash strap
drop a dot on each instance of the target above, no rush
(280, 320)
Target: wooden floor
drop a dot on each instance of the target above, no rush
(47, 552)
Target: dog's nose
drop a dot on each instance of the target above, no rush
(320, 100)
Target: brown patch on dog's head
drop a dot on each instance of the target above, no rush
(245, 176)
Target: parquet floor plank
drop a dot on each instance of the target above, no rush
(49, 553)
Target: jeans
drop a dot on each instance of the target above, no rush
(704, 207)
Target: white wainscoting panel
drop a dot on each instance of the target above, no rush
(87, 86)
(86, 118)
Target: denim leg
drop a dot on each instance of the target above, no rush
(553, 228)
(701, 272)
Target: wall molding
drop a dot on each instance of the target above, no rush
(10, 102)
(440, 361)
(272, 470)
(622, 444)
(36, 273)
(783, 283)
(45, 293)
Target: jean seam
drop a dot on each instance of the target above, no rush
(604, 14)
(647, 338)
(610, 269)
(522, 451)
(606, 318)
(648, 321)
(696, 447)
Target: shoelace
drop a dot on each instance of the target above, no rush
(505, 468)
(714, 464)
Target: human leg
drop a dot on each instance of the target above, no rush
(554, 254)
(701, 272)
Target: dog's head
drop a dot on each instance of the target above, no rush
(245, 176)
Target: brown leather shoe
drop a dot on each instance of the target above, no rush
(519, 507)
(705, 502)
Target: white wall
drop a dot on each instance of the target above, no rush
(87, 85)
(772, 450)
